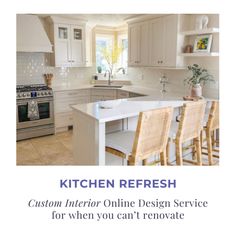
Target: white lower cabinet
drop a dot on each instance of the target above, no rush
(133, 95)
(63, 100)
(102, 94)
(122, 94)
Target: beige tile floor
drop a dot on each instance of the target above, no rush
(54, 150)
(51, 150)
(47, 150)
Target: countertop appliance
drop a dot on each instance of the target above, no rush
(42, 98)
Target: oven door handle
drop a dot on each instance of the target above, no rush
(35, 121)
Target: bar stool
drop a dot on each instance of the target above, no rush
(210, 129)
(189, 129)
(149, 139)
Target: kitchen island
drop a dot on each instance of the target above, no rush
(89, 124)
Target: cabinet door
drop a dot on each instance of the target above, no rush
(134, 44)
(156, 42)
(77, 46)
(144, 44)
(88, 47)
(96, 98)
(62, 45)
(170, 40)
(122, 94)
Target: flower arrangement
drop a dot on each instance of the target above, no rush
(111, 55)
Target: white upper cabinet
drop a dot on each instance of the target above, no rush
(170, 35)
(88, 47)
(163, 41)
(155, 42)
(138, 44)
(62, 45)
(77, 48)
(72, 44)
(69, 45)
(134, 33)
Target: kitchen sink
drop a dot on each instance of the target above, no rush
(107, 86)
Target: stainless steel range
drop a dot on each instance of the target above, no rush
(34, 111)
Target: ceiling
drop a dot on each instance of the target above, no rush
(112, 20)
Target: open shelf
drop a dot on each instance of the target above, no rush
(200, 32)
(200, 54)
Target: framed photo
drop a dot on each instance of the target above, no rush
(203, 43)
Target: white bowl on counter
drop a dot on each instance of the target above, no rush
(109, 104)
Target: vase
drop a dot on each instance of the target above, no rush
(204, 22)
(201, 22)
(196, 90)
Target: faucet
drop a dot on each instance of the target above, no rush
(109, 76)
(121, 68)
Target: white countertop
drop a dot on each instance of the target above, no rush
(130, 88)
(67, 87)
(126, 108)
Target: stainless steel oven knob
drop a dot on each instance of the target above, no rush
(24, 94)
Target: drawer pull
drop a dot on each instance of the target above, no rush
(72, 94)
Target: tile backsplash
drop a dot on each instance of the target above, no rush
(150, 77)
(32, 66)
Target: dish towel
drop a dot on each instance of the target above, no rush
(33, 111)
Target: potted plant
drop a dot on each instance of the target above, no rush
(99, 69)
(198, 78)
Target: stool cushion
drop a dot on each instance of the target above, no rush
(121, 141)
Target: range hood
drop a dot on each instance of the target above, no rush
(31, 36)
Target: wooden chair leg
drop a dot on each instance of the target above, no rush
(194, 157)
(168, 152)
(163, 158)
(178, 153)
(209, 147)
(131, 161)
(144, 162)
(201, 139)
(213, 139)
(198, 150)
